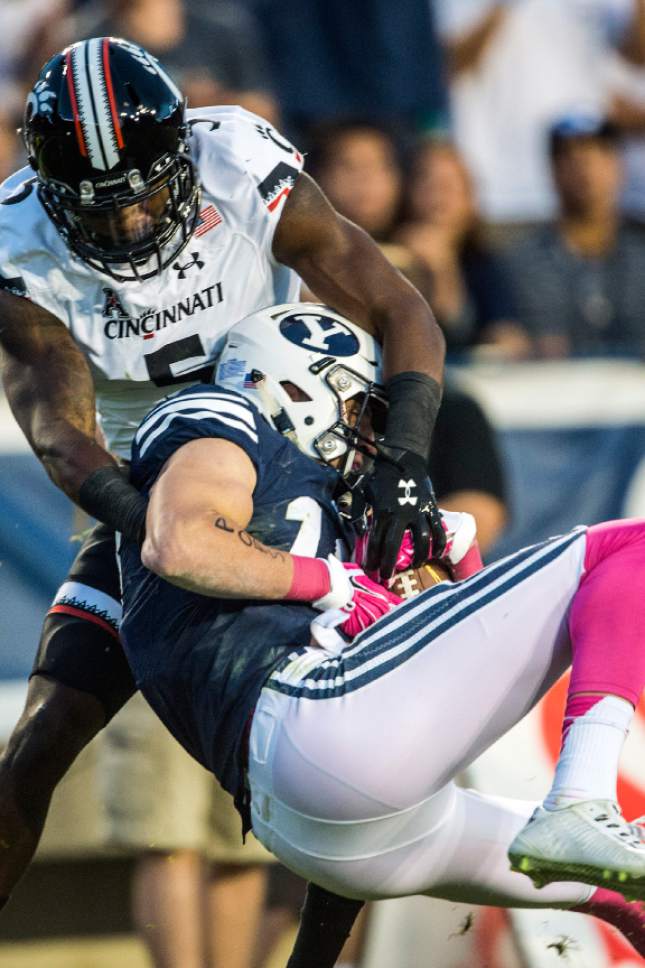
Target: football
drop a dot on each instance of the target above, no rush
(409, 583)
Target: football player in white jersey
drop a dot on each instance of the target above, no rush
(138, 235)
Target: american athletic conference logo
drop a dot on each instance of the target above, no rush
(112, 305)
(320, 333)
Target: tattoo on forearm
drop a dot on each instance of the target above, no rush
(43, 367)
(247, 539)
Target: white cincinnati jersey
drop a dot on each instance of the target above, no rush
(141, 338)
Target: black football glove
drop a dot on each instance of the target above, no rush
(399, 493)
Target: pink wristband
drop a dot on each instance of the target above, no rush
(310, 579)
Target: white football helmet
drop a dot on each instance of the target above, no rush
(323, 358)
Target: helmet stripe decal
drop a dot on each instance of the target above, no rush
(93, 105)
(110, 93)
(101, 102)
(72, 97)
(85, 106)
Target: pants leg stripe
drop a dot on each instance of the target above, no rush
(418, 623)
(448, 594)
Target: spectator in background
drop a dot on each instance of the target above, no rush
(469, 292)
(579, 281)
(212, 49)
(24, 26)
(518, 65)
(335, 60)
(358, 165)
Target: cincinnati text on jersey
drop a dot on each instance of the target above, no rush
(122, 326)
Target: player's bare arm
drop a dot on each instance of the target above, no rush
(50, 390)
(51, 393)
(345, 268)
(195, 527)
(196, 538)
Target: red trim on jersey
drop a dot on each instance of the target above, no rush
(88, 616)
(72, 96)
(110, 92)
(276, 201)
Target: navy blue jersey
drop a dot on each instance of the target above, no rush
(201, 661)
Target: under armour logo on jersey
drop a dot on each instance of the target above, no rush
(408, 497)
(182, 270)
(323, 334)
(112, 307)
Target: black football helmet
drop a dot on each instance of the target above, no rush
(105, 131)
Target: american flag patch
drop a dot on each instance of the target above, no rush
(208, 218)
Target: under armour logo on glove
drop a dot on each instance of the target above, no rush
(408, 498)
(399, 494)
(182, 270)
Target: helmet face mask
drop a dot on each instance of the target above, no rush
(359, 403)
(116, 180)
(315, 377)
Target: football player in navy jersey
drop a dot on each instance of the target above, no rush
(136, 236)
(340, 733)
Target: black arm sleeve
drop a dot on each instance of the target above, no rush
(326, 921)
(108, 497)
(414, 401)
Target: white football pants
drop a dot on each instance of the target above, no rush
(352, 756)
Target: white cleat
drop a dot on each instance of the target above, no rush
(589, 841)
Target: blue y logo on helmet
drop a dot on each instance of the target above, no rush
(322, 334)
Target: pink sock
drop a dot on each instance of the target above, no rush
(607, 616)
(628, 917)
(606, 624)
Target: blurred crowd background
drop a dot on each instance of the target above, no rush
(495, 149)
